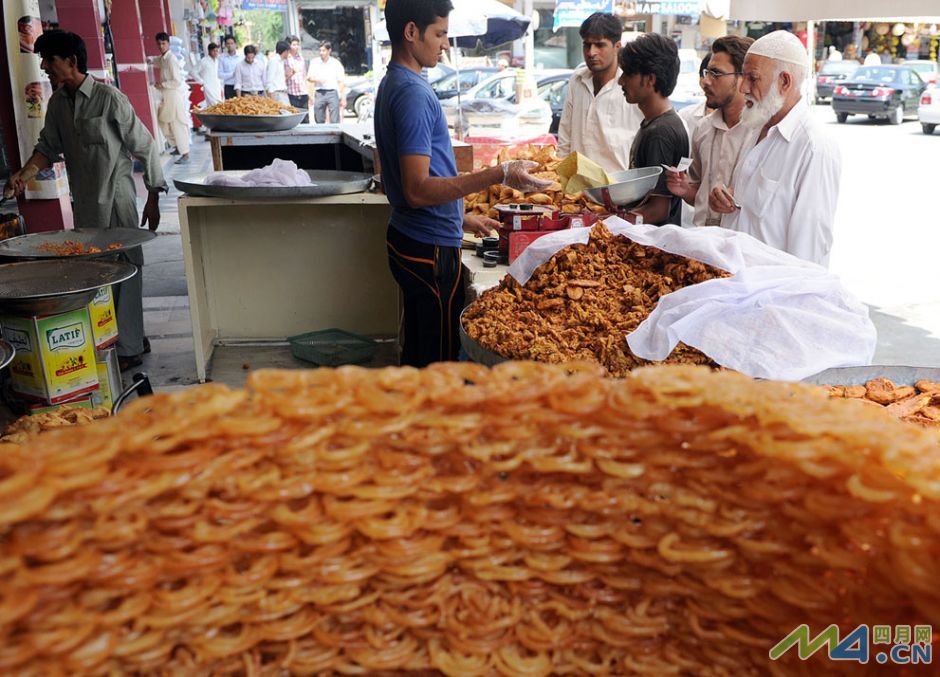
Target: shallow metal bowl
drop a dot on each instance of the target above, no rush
(628, 187)
(53, 286)
(250, 123)
(31, 246)
(325, 182)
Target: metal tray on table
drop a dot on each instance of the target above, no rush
(250, 123)
(31, 246)
(49, 287)
(856, 376)
(325, 182)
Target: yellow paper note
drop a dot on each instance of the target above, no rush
(578, 172)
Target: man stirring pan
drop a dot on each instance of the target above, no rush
(95, 128)
(420, 178)
(786, 188)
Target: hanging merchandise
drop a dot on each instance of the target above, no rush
(226, 13)
(31, 91)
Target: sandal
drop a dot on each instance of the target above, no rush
(129, 362)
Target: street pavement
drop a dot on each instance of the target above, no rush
(886, 251)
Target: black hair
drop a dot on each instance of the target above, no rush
(292, 38)
(327, 44)
(211, 46)
(250, 49)
(602, 25)
(702, 66)
(399, 13)
(164, 37)
(282, 46)
(64, 45)
(652, 54)
(230, 37)
(734, 46)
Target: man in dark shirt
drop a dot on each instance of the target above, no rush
(650, 68)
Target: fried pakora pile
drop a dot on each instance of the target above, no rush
(484, 202)
(919, 403)
(581, 304)
(25, 427)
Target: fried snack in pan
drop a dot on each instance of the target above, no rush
(531, 519)
(919, 404)
(555, 317)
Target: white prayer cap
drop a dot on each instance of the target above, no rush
(780, 46)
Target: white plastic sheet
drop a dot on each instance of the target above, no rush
(278, 174)
(777, 317)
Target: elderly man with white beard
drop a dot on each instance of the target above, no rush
(786, 189)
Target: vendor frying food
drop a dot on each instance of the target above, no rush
(419, 175)
(94, 127)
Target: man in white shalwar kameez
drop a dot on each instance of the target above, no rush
(787, 185)
(172, 115)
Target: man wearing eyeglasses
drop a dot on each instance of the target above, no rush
(719, 141)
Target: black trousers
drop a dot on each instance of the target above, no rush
(301, 103)
(431, 283)
(229, 91)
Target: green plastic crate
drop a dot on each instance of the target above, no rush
(332, 347)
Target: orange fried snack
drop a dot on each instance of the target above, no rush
(74, 248)
(582, 303)
(531, 519)
(919, 404)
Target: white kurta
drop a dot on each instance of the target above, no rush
(599, 127)
(788, 186)
(208, 74)
(716, 153)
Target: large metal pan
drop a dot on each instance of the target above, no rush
(7, 353)
(628, 187)
(475, 351)
(325, 182)
(250, 123)
(856, 376)
(53, 286)
(31, 246)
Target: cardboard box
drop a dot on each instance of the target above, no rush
(110, 384)
(519, 240)
(104, 326)
(55, 356)
(84, 402)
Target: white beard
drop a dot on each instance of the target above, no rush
(759, 112)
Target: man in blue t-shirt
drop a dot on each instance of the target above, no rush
(420, 179)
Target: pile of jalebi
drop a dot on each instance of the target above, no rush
(528, 520)
(247, 105)
(583, 302)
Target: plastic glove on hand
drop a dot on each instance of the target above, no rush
(516, 175)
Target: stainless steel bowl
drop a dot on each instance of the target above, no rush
(628, 188)
(53, 286)
(250, 123)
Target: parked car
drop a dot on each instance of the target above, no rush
(928, 113)
(889, 92)
(688, 90)
(362, 90)
(553, 89)
(446, 87)
(927, 70)
(833, 74)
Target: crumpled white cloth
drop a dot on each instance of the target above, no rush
(778, 317)
(278, 174)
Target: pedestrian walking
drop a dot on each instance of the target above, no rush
(329, 79)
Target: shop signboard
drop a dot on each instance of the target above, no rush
(666, 7)
(572, 13)
(272, 5)
(31, 92)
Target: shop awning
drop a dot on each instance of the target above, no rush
(834, 10)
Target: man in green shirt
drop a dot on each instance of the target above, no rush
(94, 127)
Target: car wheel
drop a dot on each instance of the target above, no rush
(897, 115)
(927, 127)
(361, 104)
(842, 117)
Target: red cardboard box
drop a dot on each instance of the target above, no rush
(519, 240)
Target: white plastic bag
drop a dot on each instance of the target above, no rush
(777, 317)
(278, 174)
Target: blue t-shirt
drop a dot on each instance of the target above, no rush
(409, 120)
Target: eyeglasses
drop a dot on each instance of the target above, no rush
(714, 75)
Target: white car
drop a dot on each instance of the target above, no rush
(533, 116)
(928, 112)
